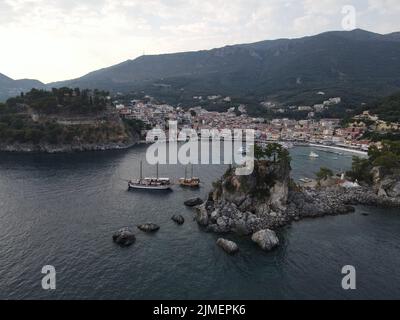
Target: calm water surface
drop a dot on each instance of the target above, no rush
(62, 210)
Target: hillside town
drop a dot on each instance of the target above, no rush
(321, 131)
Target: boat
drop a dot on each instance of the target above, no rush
(313, 155)
(192, 182)
(305, 180)
(149, 183)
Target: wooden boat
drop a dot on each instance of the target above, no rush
(149, 183)
(192, 182)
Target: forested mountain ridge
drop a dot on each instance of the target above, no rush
(357, 65)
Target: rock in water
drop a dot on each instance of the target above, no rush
(228, 246)
(193, 202)
(149, 227)
(266, 239)
(124, 237)
(202, 215)
(178, 219)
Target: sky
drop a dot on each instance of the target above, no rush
(52, 40)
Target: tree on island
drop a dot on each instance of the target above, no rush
(324, 173)
(387, 157)
(272, 152)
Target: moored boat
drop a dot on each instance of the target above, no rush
(192, 182)
(149, 183)
(313, 155)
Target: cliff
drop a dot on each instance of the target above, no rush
(246, 204)
(59, 135)
(386, 184)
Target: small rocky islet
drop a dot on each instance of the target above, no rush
(148, 227)
(124, 237)
(193, 202)
(178, 219)
(228, 246)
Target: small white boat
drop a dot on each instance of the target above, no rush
(313, 155)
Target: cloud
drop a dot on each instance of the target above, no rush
(59, 39)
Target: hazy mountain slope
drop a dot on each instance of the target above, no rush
(10, 88)
(357, 65)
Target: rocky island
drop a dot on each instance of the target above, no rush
(268, 199)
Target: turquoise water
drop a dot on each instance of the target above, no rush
(62, 210)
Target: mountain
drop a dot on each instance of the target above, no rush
(356, 65)
(387, 109)
(10, 88)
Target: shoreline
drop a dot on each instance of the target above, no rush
(338, 148)
(49, 149)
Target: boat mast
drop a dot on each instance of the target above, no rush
(185, 173)
(157, 170)
(192, 170)
(141, 170)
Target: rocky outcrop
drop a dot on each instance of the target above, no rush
(124, 237)
(178, 219)
(262, 202)
(266, 239)
(246, 204)
(148, 227)
(193, 202)
(228, 246)
(313, 203)
(386, 184)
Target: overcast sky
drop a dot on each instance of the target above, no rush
(61, 39)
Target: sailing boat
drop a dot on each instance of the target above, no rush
(149, 183)
(192, 182)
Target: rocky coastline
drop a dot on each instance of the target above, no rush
(233, 208)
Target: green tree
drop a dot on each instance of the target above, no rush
(360, 170)
(324, 173)
(388, 160)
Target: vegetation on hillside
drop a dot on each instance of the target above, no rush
(387, 157)
(62, 101)
(388, 109)
(33, 118)
(264, 180)
(324, 173)
(273, 152)
(287, 71)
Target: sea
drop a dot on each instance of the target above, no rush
(61, 210)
